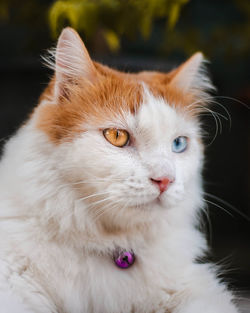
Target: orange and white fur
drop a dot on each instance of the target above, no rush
(69, 197)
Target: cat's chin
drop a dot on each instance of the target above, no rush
(157, 203)
(163, 202)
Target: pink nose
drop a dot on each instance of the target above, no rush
(162, 182)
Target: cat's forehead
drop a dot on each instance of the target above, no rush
(156, 119)
(155, 111)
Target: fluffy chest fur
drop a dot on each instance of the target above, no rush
(84, 281)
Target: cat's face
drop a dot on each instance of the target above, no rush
(162, 144)
(129, 143)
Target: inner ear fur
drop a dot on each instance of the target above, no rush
(72, 63)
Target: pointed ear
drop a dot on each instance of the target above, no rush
(191, 77)
(72, 62)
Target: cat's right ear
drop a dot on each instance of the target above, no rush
(72, 63)
(191, 77)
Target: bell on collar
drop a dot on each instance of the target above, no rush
(124, 259)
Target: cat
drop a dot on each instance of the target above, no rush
(101, 190)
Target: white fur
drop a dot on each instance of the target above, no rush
(65, 208)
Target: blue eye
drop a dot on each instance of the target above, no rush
(180, 144)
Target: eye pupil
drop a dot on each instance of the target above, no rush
(117, 137)
(179, 144)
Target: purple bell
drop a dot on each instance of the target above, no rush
(124, 259)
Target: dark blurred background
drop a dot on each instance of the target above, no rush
(152, 34)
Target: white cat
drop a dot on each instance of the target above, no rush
(100, 194)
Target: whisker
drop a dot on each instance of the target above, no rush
(104, 210)
(218, 124)
(97, 181)
(209, 224)
(218, 206)
(92, 195)
(226, 261)
(228, 205)
(99, 201)
(226, 110)
(233, 99)
(212, 101)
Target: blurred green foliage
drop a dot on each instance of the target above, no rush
(166, 26)
(222, 30)
(114, 18)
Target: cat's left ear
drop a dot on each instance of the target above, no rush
(191, 77)
(72, 63)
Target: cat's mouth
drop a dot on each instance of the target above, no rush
(158, 202)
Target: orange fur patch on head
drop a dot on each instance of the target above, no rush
(159, 85)
(110, 96)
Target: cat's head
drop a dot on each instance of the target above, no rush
(130, 144)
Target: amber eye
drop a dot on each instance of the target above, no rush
(117, 137)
